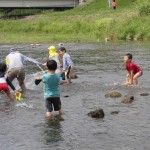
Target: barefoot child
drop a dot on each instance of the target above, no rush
(134, 71)
(51, 88)
(4, 82)
(68, 64)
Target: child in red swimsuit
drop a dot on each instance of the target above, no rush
(4, 82)
(133, 70)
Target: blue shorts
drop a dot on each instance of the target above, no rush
(53, 102)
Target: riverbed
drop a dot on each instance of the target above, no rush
(100, 69)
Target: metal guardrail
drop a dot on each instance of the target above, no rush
(38, 3)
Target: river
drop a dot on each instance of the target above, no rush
(100, 69)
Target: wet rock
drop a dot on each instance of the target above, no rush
(113, 94)
(98, 113)
(128, 99)
(114, 112)
(74, 76)
(144, 94)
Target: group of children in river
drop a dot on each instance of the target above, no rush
(56, 65)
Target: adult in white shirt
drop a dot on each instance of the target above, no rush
(15, 63)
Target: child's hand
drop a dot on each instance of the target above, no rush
(16, 92)
(63, 71)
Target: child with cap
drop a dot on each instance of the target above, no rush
(53, 55)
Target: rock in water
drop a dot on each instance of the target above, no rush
(98, 113)
(114, 112)
(144, 94)
(128, 99)
(113, 94)
(74, 76)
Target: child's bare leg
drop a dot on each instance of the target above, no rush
(61, 111)
(137, 75)
(48, 114)
(69, 80)
(11, 97)
(69, 75)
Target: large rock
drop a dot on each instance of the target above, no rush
(128, 99)
(113, 94)
(74, 76)
(98, 113)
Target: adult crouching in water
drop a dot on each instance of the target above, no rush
(15, 63)
(68, 65)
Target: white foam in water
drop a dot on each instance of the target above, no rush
(114, 83)
(24, 105)
(30, 79)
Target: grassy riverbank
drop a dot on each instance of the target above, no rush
(88, 23)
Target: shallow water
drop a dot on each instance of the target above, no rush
(100, 69)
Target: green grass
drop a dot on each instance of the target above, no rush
(88, 23)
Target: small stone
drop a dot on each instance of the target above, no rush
(98, 113)
(113, 94)
(66, 96)
(144, 94)
(128, 99)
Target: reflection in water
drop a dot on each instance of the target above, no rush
(53, 130)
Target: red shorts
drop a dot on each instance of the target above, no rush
(4, 87)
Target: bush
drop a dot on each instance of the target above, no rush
(143, 7)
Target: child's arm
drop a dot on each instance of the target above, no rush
(127, 78)
(38, 80)
(11, 85)
(131, 77)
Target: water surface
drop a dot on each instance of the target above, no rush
(100, 69)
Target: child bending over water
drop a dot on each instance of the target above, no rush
(133, 70)
(4, 82)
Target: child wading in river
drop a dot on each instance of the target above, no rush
(4, 82)
(51, 88)
(133, 70)
(68, 65)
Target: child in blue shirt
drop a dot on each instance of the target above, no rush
(68, 65)
(51, 88)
